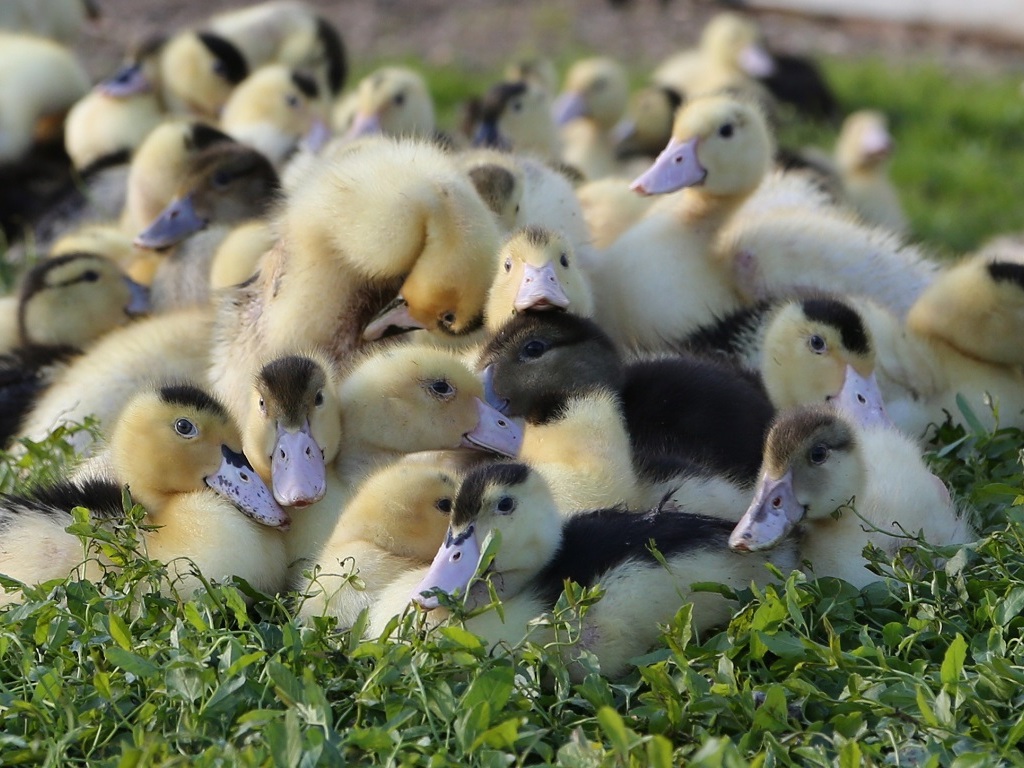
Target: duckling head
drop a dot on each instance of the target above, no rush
(810, 347)
(719, 144)
(647, 126)
(177, 439)
(812, 468)
(596, 89)
(198, 71)
(407, 399)
(733, 40)
(537, 271)
(537, 360)
(394, 101)
(294, 426)
(226, 184)
(139, 73)
(506, 498)
(864, 142)
(72, 299)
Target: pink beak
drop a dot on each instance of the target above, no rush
(676, 167)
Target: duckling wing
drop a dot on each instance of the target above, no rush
(25, 373)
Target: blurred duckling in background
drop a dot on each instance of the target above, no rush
(843, 478)
(516, 116)
(862, 155)
(59, 20)
(647, 126)
(393, 101)
(178, 452)
(394, 524)
(610, 548)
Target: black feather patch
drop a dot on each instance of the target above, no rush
(672, 96)
(202, 136)
(290, 382)
(471, 493)
(843, 318)
(100, 496)
(191, 397)
(1007, 272)
(24, 374)
(334, 53)
(494, 184)
(232, 66)
(306, 84)
(731, 335)
(497, 98)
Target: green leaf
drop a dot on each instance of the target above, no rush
(659, 752)
(614, 730)
(493, 686)
(131, 662)
(849, 755)
(462, 638)
(193, 617)
(953, 661)
(972, 420)
(501, 736)
(1010, 607)
(119, 631)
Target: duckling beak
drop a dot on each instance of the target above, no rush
(491, 397)
(488, 135)
(676, 167)
(494, 432)
(568, 107)
(138, 298)
(540, 289)
(624, 130)
(876, 143)
(129, 80)
(861, 399)
(364, 125)
(297, 472)
(392, 320)
(238, 482)
(756, 61)
(316, 137)
(452, 569)
(772, 514)
(176, 222)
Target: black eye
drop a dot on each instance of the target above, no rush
(186, 428)
(726, 131)
(399, 99)
(292, 100)
(505, 505)
(508, 265)
(564, 260)
(91, 276)
(533, 349)
(319, 399)
(442, 388)
(448, 318)
(818, 454)
(444, 506)
(221, 179)
(817, 344)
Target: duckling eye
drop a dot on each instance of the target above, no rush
(517, 106)
(818, 454)
(448, 319)
(441, 388)
(505, 505)
(726, 131)
(399, 99)
(817, 344)
(263, 407)
(220, 179)
(90, 276)
(444, 506)
(508, 265)
(533, 349)
(292, 100)
(186, 428)
(564, 260)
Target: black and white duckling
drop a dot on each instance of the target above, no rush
(592, 102)
(843, 478)
(179, 454)
(386, 237)
(393, 101)
(63, 305)
(394, 524)
(685, 417)
(276, 110)
(610, 548)
(517, 116)
(225, 185)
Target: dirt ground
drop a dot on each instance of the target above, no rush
(482, 34)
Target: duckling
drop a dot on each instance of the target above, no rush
(160, 165)
(64, 304)
(779, 251)
(225, 185)
(536, 70)
(844, 479)
(238, 256)
(177, 451)
(39, 81)
(100, 239)
(325, 283)
(393, 101)
(99, 382)
(199, 68)
(59, 20)
(393, 524)
(656, 281)
(591, 104)
(274, 110)
(102, 126)
(976, 306)
(862, 153)
(685, 421)
(517, 116)
(537, 271)
(610, 207)
(539, 551)
(647, 126)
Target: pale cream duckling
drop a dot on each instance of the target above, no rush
(39, 81)
(591, 104)
(517, 116)
(393, 101)
(610, 207)
(238, 256)
(178, 452)
(657, 281)
(101, 239)
(539, 551)
(60, 20)
(647, 126)
(394, 524)
(842, 479)
(275, 110)
(389, 221)
(862, 155)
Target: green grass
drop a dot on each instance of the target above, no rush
(926, 668)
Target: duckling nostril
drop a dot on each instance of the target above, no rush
(861, 399)
(777, 502)
(282, 454)
(309, 452)
(243, 477)
(456, 557)
(502, 423)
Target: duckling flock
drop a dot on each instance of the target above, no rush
(581, 324)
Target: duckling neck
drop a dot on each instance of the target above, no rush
(704, 212)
